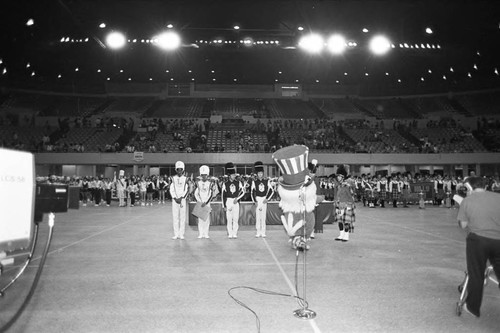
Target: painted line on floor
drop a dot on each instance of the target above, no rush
(80, 241)
(290, 284)
(420, 231)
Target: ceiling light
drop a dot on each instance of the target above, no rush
(115, 40)
(380, 45)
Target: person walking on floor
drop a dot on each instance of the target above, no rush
(479, 215)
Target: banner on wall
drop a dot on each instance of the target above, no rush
(138, 156)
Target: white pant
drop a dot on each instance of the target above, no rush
(232, 216)
(260, 216)
(179, 217)
(204, 225)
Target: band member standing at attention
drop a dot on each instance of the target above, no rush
(121, 185)
(261, 193)
(85, 191)
(179, 190)
(99, 185)
(232, 192)
(404, 185)
(439, 190)
(108, 185)
(203, 194)
(150, 190)
(161, 184)
(143, 187)
(395, 190)
(479, 215)
(382, 191)
(132, 189)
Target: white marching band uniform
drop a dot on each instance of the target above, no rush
(179, 189)
(261, 191)
(203, 194)
(232, 192)
(121, 186)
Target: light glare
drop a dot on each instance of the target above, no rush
(312, 43)
(168, 40)
(116, 40)
(336, 44)
(380, 45)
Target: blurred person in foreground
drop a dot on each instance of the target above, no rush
(479, 215)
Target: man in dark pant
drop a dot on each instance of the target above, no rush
(479, 214)
(480, 249)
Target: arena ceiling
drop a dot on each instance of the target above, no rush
(65, 42)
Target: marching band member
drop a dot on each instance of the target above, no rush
(382, 191)
(404, 185)
(179, 190)
(108, 185)
(85, 191)
(143, 187)
(439, 190)
(121, 185)
(203, 194)
(132, 189)
(161, 185)
(345, 205)
(367, 191)
(232, 192)
(395, 190)
(150, 189)
(261, 192)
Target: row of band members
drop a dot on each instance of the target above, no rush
(366, 188)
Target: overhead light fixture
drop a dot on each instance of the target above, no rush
(115, 40)
(380, 45)
(168, 40)
(312, 43)
(336, 44)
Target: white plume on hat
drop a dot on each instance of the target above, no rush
(179, 165)
(204, 170)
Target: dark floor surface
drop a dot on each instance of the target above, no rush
(116, 269)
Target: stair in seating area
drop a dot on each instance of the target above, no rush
(459, 108)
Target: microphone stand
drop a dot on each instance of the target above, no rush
(304, 312)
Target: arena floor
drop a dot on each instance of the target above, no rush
(116, 269)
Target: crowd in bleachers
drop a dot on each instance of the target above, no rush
(76, 132)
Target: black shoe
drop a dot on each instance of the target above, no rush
(466, 309)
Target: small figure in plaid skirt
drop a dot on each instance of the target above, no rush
(394, 188)
(344, 210)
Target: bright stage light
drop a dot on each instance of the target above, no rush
(168, 40)
(336, 44)
(380, 45)
(312, 43)
(116, 40)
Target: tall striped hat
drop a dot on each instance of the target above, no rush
(292, 161)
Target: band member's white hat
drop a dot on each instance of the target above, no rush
(204, 170)
(179, 165)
